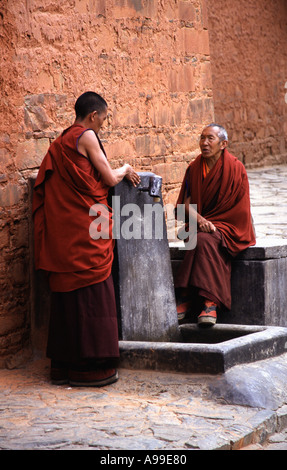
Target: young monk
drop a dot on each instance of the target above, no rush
(217, 182)
(74, 175)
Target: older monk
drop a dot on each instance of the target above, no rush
(217, 183)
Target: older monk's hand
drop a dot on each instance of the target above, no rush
(206, 226)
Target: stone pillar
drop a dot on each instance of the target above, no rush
(146, 293)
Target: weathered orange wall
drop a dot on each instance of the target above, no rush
(248, 45)
(148, 58)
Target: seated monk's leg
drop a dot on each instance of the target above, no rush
(207, 268)
(183, 303)
(208, 315)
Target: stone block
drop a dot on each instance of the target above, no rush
(35, 118)
(170, 172)
(185, 143)
(258, 284)
(205, 76)
(4, 159)
(201, 110)
(30, 153)
(196, 42)
(147, 145)
(135, 8)
(160, 113)
(144, 277)
(181, 79)
(18, 272)
(119, 149)
(124, 116)
(203, 42)
(186, 11)
(204, 15)
(11, 322)
(11, 194)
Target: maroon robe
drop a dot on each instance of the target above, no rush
(222, 197)
(83, 321)
(67, 186)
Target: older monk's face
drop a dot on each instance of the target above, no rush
(210, 144)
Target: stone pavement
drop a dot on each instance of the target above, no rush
(144, 410)
(268, 194)
(245, 408)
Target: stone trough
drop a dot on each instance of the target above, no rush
(211, 351)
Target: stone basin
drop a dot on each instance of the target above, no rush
(209, 351)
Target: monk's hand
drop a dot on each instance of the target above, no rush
(206, 226)
(132, 175)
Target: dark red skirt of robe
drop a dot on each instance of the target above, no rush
(83, 324)
(222, 197)
(83, 319)
(206, 271)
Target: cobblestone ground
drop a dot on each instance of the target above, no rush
(143, 410)
(268, 194)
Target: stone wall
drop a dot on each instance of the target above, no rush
(148, 58)
(249, 70)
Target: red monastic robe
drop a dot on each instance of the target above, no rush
(83, 320)
(66, 187)
(222, 197)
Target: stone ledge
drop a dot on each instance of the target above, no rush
(199, 353)
(268, 248)
(258, 283)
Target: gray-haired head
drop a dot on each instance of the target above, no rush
(222, 132)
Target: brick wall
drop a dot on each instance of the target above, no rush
(148, 58)
(248, 45)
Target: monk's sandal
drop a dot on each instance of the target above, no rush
(208, 315)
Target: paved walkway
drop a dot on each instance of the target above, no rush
(144, 411)
(268, 193)
(151, 411)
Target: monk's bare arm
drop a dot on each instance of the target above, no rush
(203, 224)
(89, 146)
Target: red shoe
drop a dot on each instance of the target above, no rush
(208, 315)
(183, 305)
(183, 310)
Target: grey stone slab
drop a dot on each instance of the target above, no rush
(209, 351)
(259, 292)
(145, 283)
(267, 248)
(261, 384)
